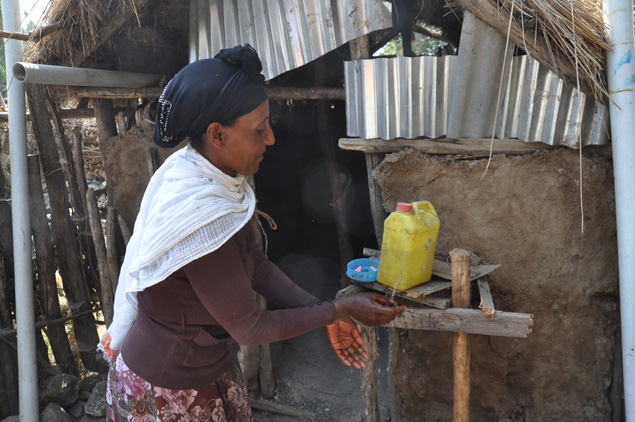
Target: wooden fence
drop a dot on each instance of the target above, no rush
(69, 244)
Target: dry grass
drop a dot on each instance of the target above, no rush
(82, 22)
(570, 28)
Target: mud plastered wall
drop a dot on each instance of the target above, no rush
(524, 214)
(127, 172)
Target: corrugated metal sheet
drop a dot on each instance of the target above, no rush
(539, 107)
(286, 33)
(401, 97)
(457, 96)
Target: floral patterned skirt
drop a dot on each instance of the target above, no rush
(131, 398)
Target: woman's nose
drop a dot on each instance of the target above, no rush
(270, 139)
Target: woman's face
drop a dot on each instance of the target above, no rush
(243, 144)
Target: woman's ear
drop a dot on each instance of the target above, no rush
(214, 134)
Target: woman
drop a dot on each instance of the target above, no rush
(185, 298)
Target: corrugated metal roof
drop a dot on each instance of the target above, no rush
(286, 33)
(401, 97)
(457, 96)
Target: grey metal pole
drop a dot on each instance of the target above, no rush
(32, 73)
(621, 80)
(25, 313)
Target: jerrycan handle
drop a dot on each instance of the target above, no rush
(423, 207)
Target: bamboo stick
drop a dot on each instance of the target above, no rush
(102, 259)
(461, 346)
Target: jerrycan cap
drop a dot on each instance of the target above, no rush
(404, 206)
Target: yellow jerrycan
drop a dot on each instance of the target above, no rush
(408, 245)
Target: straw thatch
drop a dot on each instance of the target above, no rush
(568, 36)
(130, 35)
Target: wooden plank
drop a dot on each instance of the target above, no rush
(442, 268)
(418, 294)
(471, 321)
(461, 290)
(487, 303)
(470, 147)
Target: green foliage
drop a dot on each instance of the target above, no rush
(421, 46)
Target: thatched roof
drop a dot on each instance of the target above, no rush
(129, 35)
(568, 36)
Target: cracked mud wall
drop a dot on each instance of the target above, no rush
(525, 215)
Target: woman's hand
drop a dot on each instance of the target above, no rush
(347, 343)
(368, 308)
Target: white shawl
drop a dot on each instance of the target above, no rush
(189, 209)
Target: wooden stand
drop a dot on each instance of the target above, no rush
(459, 319)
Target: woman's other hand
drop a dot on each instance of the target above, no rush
(347, 342)
(368, 308)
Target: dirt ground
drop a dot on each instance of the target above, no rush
(310, 377)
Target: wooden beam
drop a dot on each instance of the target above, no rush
(275, 93)
(36, 35)
(472, 321)
(107, 93)
(303, 94)
(487, 303)
(472, 147)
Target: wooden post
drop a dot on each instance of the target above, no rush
(152, 159)
(460, 260)
(46, 270)
(85, 240)
(102, 259)
(360, 49)
(70, 265)
(125, 230)
(111, 246)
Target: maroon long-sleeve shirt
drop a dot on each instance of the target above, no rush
(189, 326)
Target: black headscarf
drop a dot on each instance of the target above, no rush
(210, 90)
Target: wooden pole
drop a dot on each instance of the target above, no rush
(46, 270)
(274, 93)
(460, 260)
(111, 246)
(102, 258)
(360, 49)
(125, 230)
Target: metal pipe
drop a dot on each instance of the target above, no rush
(25, 312)
(618, 14)
(32, 73)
